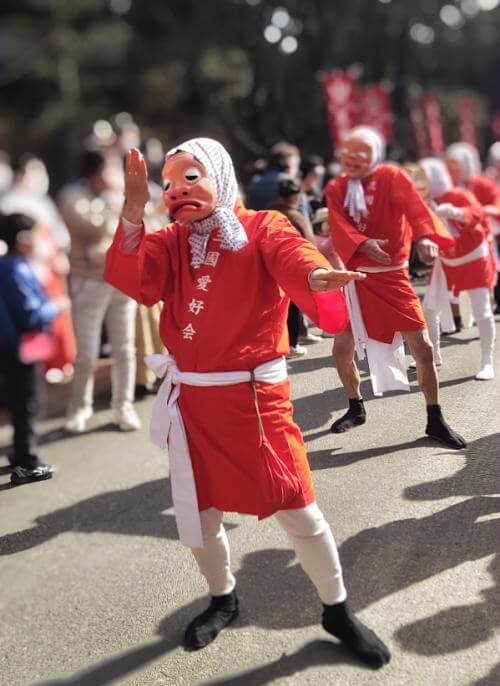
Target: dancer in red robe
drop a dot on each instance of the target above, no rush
(225, 275)
(375, 211)
(464, 166)
(467, 264)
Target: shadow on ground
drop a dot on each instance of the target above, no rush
(136, 511)
(286, 587)
(408, 551)
(464, 626)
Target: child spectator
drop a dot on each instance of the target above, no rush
(24, 310)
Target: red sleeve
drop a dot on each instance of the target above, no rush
(289, 258)
(145, 275)
(409, 201)
(485, 190)
(473, 212)
(346, 238)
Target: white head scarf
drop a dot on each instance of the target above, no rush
(438, 175)
(494, 153)
(355, 196)
(219, 166)
(468, 156)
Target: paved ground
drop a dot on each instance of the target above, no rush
(96, 590)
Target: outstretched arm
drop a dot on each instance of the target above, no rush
(304, 274)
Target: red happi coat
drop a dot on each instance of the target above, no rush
(230, 315)
(396, 212)
(486, 192)
(469, 235)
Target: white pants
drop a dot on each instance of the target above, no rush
(480, 302)
(311, 538)
(94, 302)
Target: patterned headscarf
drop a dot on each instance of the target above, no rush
(439, 178)
(219, 166)
(468, 156)
(355, 197)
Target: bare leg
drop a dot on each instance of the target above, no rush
(343, 353)
(421, 348)
(437, 427)
(433, 324)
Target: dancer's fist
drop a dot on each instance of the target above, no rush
(136, 187)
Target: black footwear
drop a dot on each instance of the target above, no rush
(206, 627)
(355, 416)
(439, 429)
(340, 621)
(23, 475)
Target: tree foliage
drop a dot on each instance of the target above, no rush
(185, 67)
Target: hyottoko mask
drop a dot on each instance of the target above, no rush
(189, 193)
(356, 158)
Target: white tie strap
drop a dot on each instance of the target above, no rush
(437, 298)
(386, 361)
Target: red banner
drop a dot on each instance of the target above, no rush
(375, 110)
(339, 90)
(417, 116)
(434, 124)
(466, 120)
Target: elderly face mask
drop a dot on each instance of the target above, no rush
(189, 193)
(356, 157)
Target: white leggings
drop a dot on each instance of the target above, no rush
(311, 538)
(480, 302)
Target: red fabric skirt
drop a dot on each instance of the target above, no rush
(475, 274)
(226, 449)
(389, 304)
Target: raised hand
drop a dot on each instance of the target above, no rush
(448, 211)
(329, 279)
(374, 249)
(136, 187)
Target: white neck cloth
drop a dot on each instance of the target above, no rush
(355, 197)
(219, 166)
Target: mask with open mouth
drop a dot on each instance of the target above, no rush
(200, 190)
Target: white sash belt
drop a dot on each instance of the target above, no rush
(167, 429)
(437, 298)
(482, 250)
(386, 361)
